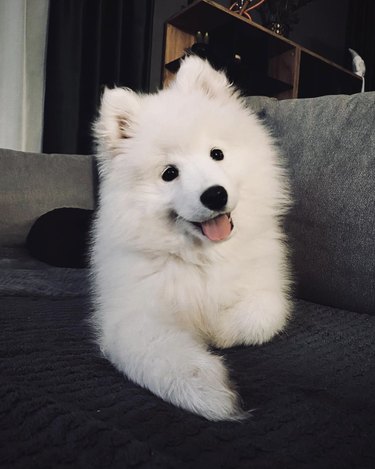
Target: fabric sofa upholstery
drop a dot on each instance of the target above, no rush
(329, 149)
(32, 184)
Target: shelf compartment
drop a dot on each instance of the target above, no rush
(270, 64)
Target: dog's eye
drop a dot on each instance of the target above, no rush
(170, 173)
(217, 154)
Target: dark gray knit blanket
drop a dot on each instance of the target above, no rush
(62, 405)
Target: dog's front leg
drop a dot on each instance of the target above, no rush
(255, 319)
(173, 364)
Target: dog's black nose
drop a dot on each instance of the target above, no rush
(214, 198)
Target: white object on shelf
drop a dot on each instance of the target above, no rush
(359, 67)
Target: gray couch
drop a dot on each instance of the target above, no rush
(312, 387)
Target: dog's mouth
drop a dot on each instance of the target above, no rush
(218, 228)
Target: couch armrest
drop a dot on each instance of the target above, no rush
(32, 184)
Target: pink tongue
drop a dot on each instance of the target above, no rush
(218, 228)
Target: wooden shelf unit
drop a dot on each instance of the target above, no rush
(275, 66)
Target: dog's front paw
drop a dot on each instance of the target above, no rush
(205, 389)
(178, 368)
(255, 320)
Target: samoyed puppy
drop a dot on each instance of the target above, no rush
(188, 251)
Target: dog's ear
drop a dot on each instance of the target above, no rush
(195, 73)
(117, 117)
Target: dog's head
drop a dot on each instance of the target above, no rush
(174, 163)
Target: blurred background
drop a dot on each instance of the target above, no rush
(57, 55)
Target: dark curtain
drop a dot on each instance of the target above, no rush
(361, 35)
(91, 43)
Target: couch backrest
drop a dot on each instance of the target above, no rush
(329, 147)
(32, 184)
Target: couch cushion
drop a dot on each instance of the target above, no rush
(32, 184)
(62, 405)
(329, 147)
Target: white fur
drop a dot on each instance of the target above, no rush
(164, 292)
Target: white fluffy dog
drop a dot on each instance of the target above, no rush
(188, 251)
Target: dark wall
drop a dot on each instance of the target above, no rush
(360, 35)
(322, 28)
(163, 10)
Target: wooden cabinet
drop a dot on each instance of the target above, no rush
(258, 60)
